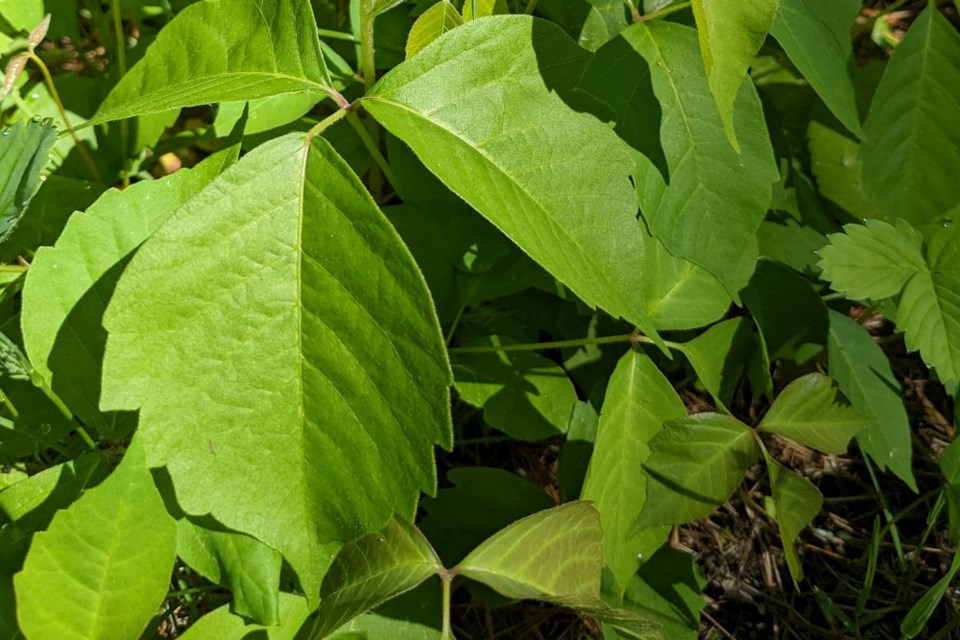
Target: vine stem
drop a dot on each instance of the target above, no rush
(371, 146)
(81, 148)
(635, 338)
(446, 578)
(663, 13)
(122, 65)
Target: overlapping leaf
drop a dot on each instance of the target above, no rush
(796, 502)
(113, 588)
(482, 107)
(909, 163)
(731, 34)
(431, 24)
(695, 464)
(24, 150)
(639, 400)
(710, 208)
(224, 51)
(816, 37)
(292, 339)
(223, 624)
(863, 373)
(719, 356)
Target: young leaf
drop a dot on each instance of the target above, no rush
(371, 571)
(38, 34)
(796, 503)
(246, 566)
(223, 51)
(522, 394)
(554, 181)
(113, 588)
(709, 209)
(24, 150)
(63, 305)
(816, 37)
(223, 624)
(916, 619)
(719, 355)
(12, 72)
(315, 366)
(813, 412)
(909, 165)
(552, 554)
(432, 23)
(929, 309)
(695, 464)
(863, 373)
(639, 400)
(730, 36)
(873, 260)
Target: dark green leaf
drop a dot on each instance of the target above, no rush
(796, 502)
(24, 151)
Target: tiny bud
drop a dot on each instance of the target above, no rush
(38, 34)
(14, 67)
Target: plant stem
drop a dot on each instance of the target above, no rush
(337, 35)
(560, 344)
(371, 146)
(634, 12)
(326, 122)
(368, 69)
(891, 521)
(122, 65)
(531, 6)
(663, 13)
(81, 148)
(446, 578)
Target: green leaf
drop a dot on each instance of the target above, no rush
(522, 394)
(731, 34)
(223, 624)
(668, 589)
(24, 150)
(813, 412)
(315, 366)
(113, 588)
(929, 309)
(22, 15)
(415, 615)
(710, 208)
(788, 311)
(473, 9)
(950, 467)
(695, 464)
(873, 260)
(908, 161)
(719, 356)
(552, 554)
(863, 373)
(554, 181)
(372, 570)
(816, 37)
(432, 23)
(246, 566)
(63, 305)
(916, 619)
(835, 162)
(223, 51)
(639, 400)
(482, 501)
(796, 502)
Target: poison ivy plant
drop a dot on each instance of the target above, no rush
(637, 239)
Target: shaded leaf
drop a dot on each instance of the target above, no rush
(639, 400)
(223, 624)
(812, 411)
(719, 356)
(916, 619)
(223, 51)
(715, 199)
(372, 570)
(554, 181)
(796, 502)
(522, 394)
(432, 23)
(695, 464)
(731, 34)
(908, 161)
(24, 151)
(816, 37)
(113, 588)
(873, 260)
(314, 366)
(863, 373)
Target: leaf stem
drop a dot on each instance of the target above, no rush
(663, 13)
(329, 120)
(122, 65)
(531, 6)
(635, 338)
(446, 578)
(81, 148)
(337, 35)
(634, 12)
(372, 147)
(368, 69)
